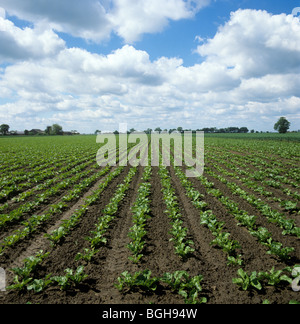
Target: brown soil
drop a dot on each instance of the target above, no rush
(112, 259)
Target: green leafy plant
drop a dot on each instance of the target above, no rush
(23, 275)
(246, 281)
(20, 284)
(139, 280)
(294, 302)
(136, 247)
(140, 215)
(290, 206)
(97, 239)
(274, 278)
(87, 255)
(175, 280)
(247, 221)
(262, 234)
(38, 285)
(277, 249)
(179, 233)
(56, 235)
(235, 260)
(71, 278)
(186, 286)
(229, 246)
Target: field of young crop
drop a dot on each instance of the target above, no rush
(74, 232)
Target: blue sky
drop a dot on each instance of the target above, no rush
(193, 63)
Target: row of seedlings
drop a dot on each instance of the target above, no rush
(254, 280)
(140, 216)
(34, 222)
(273, 216)
(24, 276)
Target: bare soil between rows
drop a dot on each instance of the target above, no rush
(159, 255)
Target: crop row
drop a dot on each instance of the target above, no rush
(264, 166)
(254, 280)
(68, 225)
(107, 216)
(34, 222)
(249, 222)
(72, 276)
(140, 211)
(180, 282)
(258, 172)
(24, 278)
(17, 214)
(208, 219)
(12, 186)
(273, 216)
(260, 179)
(179, 233)
(69, 180)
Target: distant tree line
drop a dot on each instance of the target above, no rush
(282, 126)
(55, 129)
(243, 130)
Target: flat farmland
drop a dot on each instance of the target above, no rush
(72, 232)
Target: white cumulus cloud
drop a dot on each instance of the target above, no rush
(28, 43)
(255, 43)
(131, 19)
(250, 72)
(97, 19)
(86, 19)
(2, 13)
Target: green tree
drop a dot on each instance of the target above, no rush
(57, 129)
(244, 130)
(282, 126)
(48, 130)
(4, 128)
(132, 130)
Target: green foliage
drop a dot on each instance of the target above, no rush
(246, 281)
(23, 275)
(179, 233)
(4, 128)
(186, 286)
(72, 278)
(38, 285)
(87, 255)
(180, 282)
(277, 249)
(259, 280)
(274, 278)
(140, 280)
(282, 126)
(140, 215)
(229, 246)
